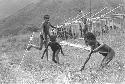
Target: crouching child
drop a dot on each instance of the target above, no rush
(103, 49)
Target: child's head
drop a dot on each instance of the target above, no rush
(90, 36)
(46, 17)
(90, 42)
(53, 38)
(90, 39)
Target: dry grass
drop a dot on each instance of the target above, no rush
(36, 71)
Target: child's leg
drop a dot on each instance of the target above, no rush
(56, 55)
(41, 43)
(37, 47)
(107, 59)
(49, 35)
(46, 43)
(34, 46)
(29, 47)
(53, 57)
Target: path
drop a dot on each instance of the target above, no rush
(76, 44)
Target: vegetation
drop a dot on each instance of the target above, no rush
(34, 70)
(60, 10)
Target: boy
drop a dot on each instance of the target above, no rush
(43, 37)
(46, 26)
(56, 47)
(103, 49)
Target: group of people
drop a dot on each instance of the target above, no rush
(89, 38)
(71, 31)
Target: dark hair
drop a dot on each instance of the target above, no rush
(41, 36)
(46, 16)
(90, 36)
(53, 38)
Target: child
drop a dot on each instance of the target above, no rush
(43, 37)
(103, 49)
(46, 26)
(56, 47)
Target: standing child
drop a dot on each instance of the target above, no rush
(56, 47)
(103, 49)
(85, 29)
(45, 33)
(46, 28)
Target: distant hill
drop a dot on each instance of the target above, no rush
(58, 9)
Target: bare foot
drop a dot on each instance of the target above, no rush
(29, 47)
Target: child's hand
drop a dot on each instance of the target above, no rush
(42, 56)
(90, 53)
(94, 51)
(63, 54)
(82, 68)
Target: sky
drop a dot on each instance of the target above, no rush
(8, 7)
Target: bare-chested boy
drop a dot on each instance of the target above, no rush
(104, 49)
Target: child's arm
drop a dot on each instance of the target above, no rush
(86, 60)
(97, 49)
(52, 26)
(41, 28)
(45, 51)
(61, 49)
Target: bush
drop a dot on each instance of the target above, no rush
(29, 29)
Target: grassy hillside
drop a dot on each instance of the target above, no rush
(58, 9)
(34, 70)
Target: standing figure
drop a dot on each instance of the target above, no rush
(43, 37)
(46, 28)
(80, 28)
(85, 29)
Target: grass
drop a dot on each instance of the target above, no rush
(37, 71)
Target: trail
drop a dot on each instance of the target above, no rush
(76, 45)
